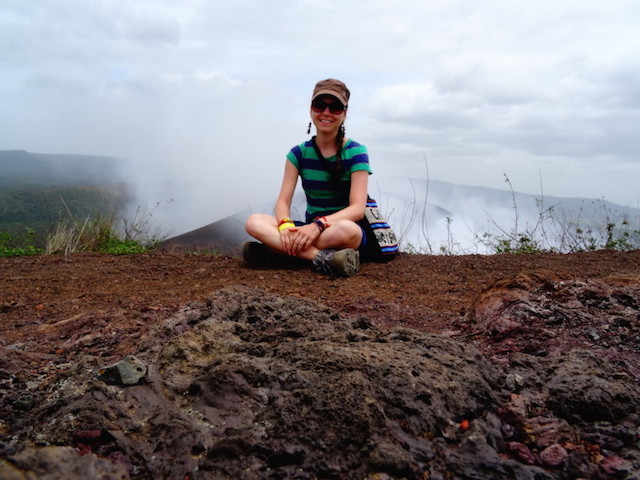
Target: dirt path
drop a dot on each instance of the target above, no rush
(47, 299)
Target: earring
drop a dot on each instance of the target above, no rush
(309, 129)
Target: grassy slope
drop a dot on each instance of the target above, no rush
(39, 190)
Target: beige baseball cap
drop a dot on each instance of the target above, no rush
(334, 87)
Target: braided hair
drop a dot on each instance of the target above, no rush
(339, 143)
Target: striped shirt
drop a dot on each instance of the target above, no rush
(324, 195)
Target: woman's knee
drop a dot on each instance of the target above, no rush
(255, 223)
(348, 233)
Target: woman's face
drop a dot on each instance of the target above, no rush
(327, 114)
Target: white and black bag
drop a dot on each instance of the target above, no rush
(382, 243)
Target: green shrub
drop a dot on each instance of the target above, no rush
(97, 234)
(16, 245)
(115, 246)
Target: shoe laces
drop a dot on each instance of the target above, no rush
(322, 261)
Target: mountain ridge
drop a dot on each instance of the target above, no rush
(428, 215)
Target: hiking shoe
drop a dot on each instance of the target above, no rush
(256, 253)
(341, 263)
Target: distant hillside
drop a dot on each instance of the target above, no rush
(39, 190)
(471, 215)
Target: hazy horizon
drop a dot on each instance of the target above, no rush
(206, 97)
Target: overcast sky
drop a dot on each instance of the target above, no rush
(207, 96)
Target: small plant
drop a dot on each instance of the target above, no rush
(139, 228)
(115, 246)
(521, 244)
(451, 245)
(100, 234)
(409, 248)
(621, 238)
(12, 245)
(88, 235)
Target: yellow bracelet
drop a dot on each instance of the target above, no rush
(286, 225)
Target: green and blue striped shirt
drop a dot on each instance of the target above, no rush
(324, 195)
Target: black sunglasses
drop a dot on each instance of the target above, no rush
(336, 107)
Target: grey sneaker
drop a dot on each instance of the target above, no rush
(341, 263)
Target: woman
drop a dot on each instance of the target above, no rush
(334, 172)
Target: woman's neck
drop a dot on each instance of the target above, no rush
(327, 145)
(328, 142)
(325, 141)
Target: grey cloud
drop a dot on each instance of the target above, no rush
(212, 85)
(624, 88)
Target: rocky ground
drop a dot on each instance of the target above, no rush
(189, 366)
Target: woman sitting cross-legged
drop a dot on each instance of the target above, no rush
(334, 172)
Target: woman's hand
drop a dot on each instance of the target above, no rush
(286, 239)
(298, 239)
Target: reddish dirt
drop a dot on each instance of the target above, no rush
(47, 303)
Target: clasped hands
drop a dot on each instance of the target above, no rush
(298, 239)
